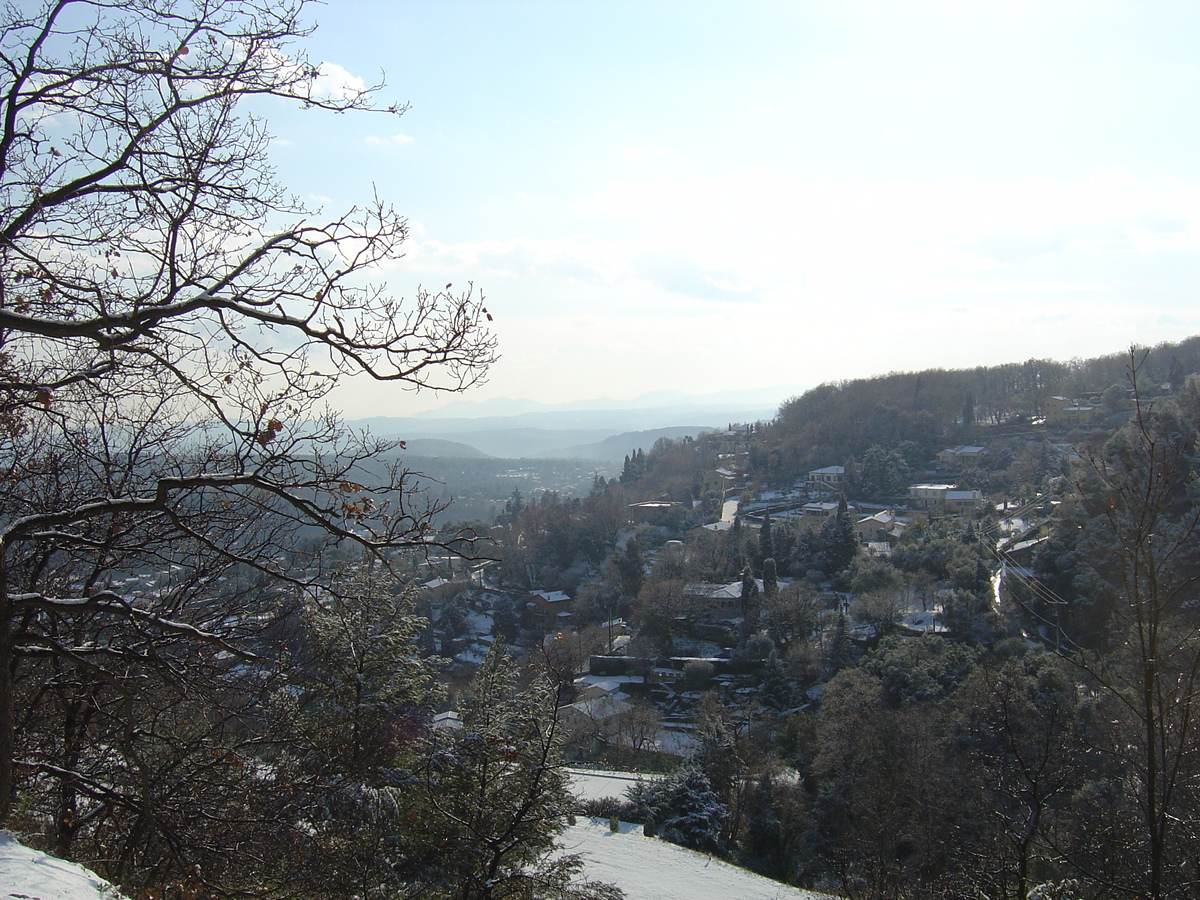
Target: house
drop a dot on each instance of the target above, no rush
(550, 604)
(1062, 412)
(826, 480)
(717, 601)
(712, 528)
(957, 457)
(589, 686)
(962, 501)
(654, 512)
(1019, 557)
(447, 721)
(815, 513)
(596, 719)
(942, 499)
(883, 526)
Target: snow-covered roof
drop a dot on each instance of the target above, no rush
(551, 596)
(449, 719)
(731, 591)
(1025, 545)
(605, 706)
(609, 683)
(883, 518)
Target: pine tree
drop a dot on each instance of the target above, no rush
(770, 578)
(630, 567)
(838, 654)
(685, 809)
(777, 690)
(359, 672)
(350, 723)
(839, 543)
(495, 796)
(749, 598)
(765, 543)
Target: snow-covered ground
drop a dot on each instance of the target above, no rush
(651, 869)
(644, 868)
(34, 875)
(597, 784)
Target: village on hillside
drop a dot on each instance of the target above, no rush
(631, 695)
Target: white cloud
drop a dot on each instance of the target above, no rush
(581, 257)
(336, 83)
(394, 140)
(766, 267)
(790, 232)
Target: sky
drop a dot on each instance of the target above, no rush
(706, 196)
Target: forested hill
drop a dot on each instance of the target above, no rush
(834, 421)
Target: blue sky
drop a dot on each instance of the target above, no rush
(707, 196)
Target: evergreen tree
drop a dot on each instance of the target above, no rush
(765, 543)
(1176, 373)
(599, 486)
(495, 796)
(807, 554)
(630, 567)
(884, 474)
(852, 478)
(770, 578)
(351, 722)
(749, 598)
(838, 541)
(685, 808)
(777, 689)
(359, 672)
(838, 653)
(968, 417)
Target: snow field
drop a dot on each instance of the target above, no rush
(651, 869)
(33, 875)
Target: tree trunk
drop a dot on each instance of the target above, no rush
(7, 710)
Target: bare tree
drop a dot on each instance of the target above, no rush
(1142, 517)
(170, 324)
(1020, 720)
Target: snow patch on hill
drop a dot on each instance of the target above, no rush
(34, 875)
(651, 869)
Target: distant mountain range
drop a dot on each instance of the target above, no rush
(769, 398)
(602, 430)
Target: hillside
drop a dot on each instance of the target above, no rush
(651, 869)
(614, 449)
(434, 447)
(933, 408)
(516, 430)
(31, 874)
(644, 868)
